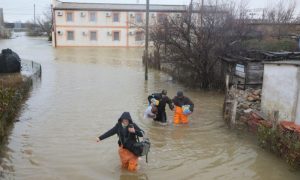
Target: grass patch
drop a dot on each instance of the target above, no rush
(272, 44)
(14, 90)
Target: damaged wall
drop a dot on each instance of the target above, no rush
(297, 121)
(280, 89)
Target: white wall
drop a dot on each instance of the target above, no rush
(298, 105)
(103, 24)
(103, 39)
(280, 90)
(101, 18)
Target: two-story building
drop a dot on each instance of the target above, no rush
(105, 25)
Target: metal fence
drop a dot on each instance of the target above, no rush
(31, 68)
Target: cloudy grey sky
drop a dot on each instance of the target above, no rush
(22, 10)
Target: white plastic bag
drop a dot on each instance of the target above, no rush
(148, 113)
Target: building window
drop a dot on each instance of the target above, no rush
(161, 18)
(93, 17)
(116, 17)
(93, 36)
(116, 36)
(138, 18)
(139, 36)
(70, 35)
(70, 17)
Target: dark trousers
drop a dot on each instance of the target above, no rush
(161, 116)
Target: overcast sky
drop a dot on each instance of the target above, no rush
(22, 10)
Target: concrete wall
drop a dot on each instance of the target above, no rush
(267, 29)
(281, 90)
(297, 121)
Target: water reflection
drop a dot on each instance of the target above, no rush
(133, 177)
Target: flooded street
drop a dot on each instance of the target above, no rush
(84, 91)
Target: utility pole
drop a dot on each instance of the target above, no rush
(190, 11)
(147, 40)
(202, 9)
(34, 14)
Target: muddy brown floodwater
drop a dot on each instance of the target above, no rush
(82, 93)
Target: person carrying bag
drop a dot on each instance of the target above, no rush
(129, 145)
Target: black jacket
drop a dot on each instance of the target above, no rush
(163, 101)
(181, 101)
(126, 138)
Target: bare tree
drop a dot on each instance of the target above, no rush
(242, 21)
(280, 15)
(297, 20)
(45, 22)
(32, 29)
(197, 47)
(193, 47)
(42, 26)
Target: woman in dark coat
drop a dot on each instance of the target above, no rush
(127, 132)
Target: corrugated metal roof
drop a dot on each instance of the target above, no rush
(119, 7)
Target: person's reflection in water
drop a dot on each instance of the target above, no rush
(133, 177)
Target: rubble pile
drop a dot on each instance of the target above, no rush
(248, 100)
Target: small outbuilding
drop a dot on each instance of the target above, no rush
(246, 70)
(281, 89)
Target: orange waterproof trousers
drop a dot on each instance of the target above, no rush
(128, 159)
(179, 117)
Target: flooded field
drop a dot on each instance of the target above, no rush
(83, 92)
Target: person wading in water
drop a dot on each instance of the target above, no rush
(163, 101)
(183, 107)
(127, 132)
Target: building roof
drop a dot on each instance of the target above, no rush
(118, 7)
(291, 62)
(282, 54)
(262, 56)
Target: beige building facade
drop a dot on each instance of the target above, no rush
(105, 25)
